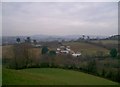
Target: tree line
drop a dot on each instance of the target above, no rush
(25, 57)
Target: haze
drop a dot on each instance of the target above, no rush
(59, 18)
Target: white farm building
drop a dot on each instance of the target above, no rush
(67, 50)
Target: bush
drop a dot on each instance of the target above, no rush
(52, 53)
(113, 52)
(44, 50)
(117, 76)
(103, 72)
(44, 65)
(118, 56)
(109, 74)
(92, 67)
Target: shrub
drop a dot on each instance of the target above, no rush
(113, 52)
(103, 72)
(117, 76)
(44, 65)
(44, 50)
(109, 74)
(52, 53)
(92, 67)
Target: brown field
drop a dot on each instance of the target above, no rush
(84, 48)
(7, 51)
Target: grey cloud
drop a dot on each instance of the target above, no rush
(60, 18)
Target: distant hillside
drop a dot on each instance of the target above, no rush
(0, 40)
(115, 37)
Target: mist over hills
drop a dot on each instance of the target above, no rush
(66, 37)
(12, 39)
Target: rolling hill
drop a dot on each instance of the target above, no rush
(51, 76)
(86, 48)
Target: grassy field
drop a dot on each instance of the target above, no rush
(106, 41)
(0, 65)
(7, 51)
(85, 48)
(51, 76)
(0, 74)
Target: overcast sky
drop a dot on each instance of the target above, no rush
(60, 18)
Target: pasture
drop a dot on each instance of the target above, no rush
(86, 48)
(51, 76)
(107, 43)
(0, 65)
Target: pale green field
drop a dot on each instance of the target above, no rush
(51, 76)
(107, 41)
(86, 49)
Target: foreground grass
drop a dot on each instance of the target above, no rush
(0, 74)
(51, 76)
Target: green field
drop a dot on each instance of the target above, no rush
(109, 44)
(106, 41)
(86, 48)
(0, 74)
(51, 76)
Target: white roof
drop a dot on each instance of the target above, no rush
(58, 48)
(76, 54)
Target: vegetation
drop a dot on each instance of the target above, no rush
(108, 44)
(0, 74)
(51, 76)
(18, 40)
(44, 50)
(86, 49)
(52, 53)
(113, 53)
(95, 59)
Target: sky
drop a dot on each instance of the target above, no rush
(59, 18)
(59, 0)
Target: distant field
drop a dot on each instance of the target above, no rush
(106, 41)
(7, 51)
(85, 48)
(51, 76)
